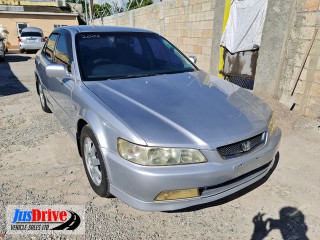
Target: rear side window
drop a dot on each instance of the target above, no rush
(63, 51)
(49, 47)
(31, 34)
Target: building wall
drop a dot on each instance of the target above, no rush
(29, 3)
(307, 93)
(188, 24)
(43, 21)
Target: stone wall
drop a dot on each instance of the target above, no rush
(188, 24)
(307, 93)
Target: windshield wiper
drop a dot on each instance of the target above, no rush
(133, 76)
(179, 71)
(142, 75)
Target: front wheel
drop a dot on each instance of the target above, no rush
(2, 58)
(93, 163)
(43, 99)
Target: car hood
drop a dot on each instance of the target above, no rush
(192, 110)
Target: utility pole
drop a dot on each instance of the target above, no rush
(90, 11)
(86, 10)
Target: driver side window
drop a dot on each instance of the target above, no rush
(49, 47)
(63, 51)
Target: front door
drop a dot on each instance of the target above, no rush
(63, 87)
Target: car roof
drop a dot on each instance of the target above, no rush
(31, 29)
(85, 28)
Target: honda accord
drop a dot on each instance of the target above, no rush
(151, 127)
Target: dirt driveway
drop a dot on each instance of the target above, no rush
(39, 164)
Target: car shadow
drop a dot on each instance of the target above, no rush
(9, 83)
(291, 225)
(234, 195)
(14, 56)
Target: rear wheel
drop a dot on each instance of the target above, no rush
(93, 163)
(43, 99)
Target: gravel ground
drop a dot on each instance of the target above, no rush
(39, 164)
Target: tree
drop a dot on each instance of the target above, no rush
(134, 4)
(101, 10)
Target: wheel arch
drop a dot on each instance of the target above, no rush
(95, 123)
(37, 78)
(81, 123)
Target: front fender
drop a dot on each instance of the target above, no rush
(108, 128)
(97, 126)
(106, 133)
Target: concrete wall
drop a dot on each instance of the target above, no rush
(43, 21)
(192, 25)
(272, 52)
(307, 93)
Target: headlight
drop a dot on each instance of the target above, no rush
(272, 126)
(154, 156)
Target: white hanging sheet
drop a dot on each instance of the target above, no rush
(244, 26)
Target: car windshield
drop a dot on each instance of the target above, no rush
(119, 55)
(31, 34)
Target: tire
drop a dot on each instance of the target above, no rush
(21, 50)
(43, 100)
(93, 163)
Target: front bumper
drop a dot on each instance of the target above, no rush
(139, 185)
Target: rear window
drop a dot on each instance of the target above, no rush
(31, 34)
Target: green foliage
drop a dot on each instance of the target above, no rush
(101, 10)
(134, 4)
(97, 9)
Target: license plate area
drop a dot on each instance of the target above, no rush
(248, 166)
(31, 40)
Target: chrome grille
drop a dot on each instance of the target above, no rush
(236, 149)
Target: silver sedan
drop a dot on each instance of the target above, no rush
(151, 127)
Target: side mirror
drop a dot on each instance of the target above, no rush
(57, 71)
(193, 59)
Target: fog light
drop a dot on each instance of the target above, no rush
(177, 194)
